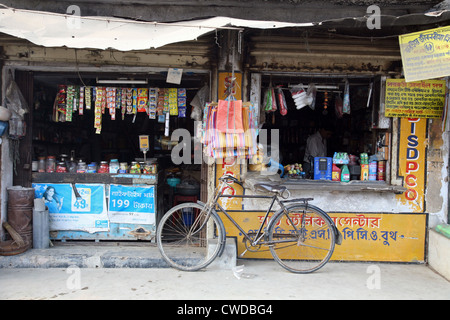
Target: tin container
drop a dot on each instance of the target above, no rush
(381, 172)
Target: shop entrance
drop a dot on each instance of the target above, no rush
(115, 176)
(315, 103)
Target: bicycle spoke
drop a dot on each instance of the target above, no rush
(302, 239)
(187, 237)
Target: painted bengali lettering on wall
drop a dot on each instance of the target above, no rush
(411, 162)
(366, 236)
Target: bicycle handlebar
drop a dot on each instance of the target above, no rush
(228, 179)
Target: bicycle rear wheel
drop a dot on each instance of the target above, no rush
(189, 238)
(303, 239)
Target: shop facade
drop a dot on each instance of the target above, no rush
(381, 219)
(384, 218)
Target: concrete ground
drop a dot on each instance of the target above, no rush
(249, 280)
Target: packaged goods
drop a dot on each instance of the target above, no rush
(336, 174)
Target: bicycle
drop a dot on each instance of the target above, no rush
(301, 237)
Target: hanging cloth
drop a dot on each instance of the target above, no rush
(229, 116)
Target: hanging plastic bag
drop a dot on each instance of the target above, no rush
(270, 102)
(346, 102)
(15, 101)
(311, 93)
(301, 98)
(338, 106)
(199, 102)
(282, 101)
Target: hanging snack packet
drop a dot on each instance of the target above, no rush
(81, 102)
(282, 101)
(142, 99)
(69, 102)
(346, 103)
(181, 103)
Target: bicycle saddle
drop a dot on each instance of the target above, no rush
(270, 188)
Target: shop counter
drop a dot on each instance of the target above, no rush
(93, 206)
(337, 186)
(332, 196)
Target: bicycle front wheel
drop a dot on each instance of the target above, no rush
(189, 238)
(302, 239)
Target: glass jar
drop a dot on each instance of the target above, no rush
(61, 167)
(104, 167)
(123, 167)
(81, 167)
(135, 167)
(41, 164)
(92, 168)
(50, 165)
(114, 166)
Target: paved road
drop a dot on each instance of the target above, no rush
(259, 280)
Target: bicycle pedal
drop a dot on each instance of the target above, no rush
(242, 254)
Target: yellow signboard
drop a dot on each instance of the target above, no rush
(424, 99)
(229, 167)
(366, 236)
(228, 84)
(411, 162)
(426, 54)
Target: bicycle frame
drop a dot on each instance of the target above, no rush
(257, 238)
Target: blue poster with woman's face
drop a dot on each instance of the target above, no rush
(74, 206)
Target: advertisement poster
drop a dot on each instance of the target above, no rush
(426, 54)
(419, 99)
(132, 204)
(74, 206)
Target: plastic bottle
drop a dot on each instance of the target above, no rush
(345, 174)
(336, 173)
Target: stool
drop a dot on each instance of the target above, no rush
(178, 198)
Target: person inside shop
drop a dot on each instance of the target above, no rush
(316, 146)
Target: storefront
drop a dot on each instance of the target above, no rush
(291, 82)
(377, 180)
(98, 137)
